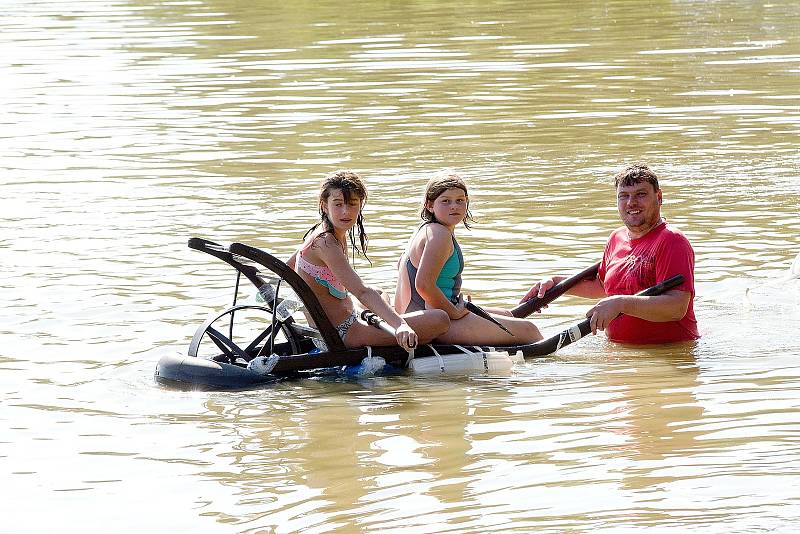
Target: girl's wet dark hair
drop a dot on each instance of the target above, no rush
(351, 186)
(438, 184)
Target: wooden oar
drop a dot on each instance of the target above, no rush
(574, 333)
(536, 303)
(480, 312)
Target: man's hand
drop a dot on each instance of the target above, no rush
(605, 311)
(538, 290)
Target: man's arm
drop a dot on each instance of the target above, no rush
(671, 306)
(590, 289)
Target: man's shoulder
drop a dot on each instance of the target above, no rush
(674, 234)
(618, 231)
(620, 234)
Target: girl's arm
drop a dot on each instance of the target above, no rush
(292, 260)
(438, 246)
(330, 251)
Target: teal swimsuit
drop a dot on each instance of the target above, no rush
(449, 280)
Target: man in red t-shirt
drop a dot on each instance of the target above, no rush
(640, 254)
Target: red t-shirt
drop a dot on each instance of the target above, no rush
(631, 265)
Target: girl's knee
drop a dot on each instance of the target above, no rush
(437, 322)
(532, 332)
(441, 320)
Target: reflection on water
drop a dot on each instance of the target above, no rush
(128, 127)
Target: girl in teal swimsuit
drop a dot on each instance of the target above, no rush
(429, 272)
(323, 263)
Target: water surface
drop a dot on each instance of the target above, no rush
(128, 127)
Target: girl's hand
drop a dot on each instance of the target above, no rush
(461, 310)
(406, 337)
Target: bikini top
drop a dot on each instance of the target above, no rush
(321, 274)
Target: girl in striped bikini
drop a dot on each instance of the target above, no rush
(429, 272)
(323, 263)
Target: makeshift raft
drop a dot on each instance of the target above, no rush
(286, 347)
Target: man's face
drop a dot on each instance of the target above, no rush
(639, 207)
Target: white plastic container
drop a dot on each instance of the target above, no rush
(467, 363)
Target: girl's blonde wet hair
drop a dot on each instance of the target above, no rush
(438, 184)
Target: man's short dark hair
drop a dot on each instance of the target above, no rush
(634, 174)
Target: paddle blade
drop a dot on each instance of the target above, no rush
(480, 312)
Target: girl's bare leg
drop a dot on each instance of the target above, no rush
(474, 330)
(428, 324)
